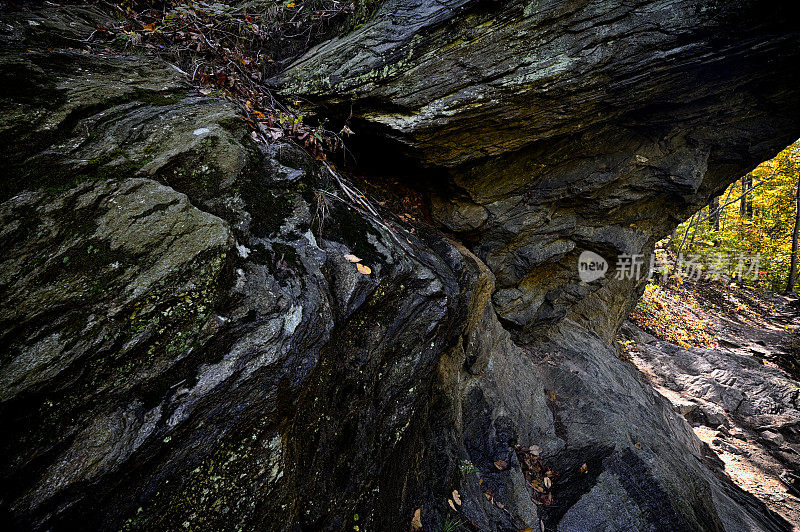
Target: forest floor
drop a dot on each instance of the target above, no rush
(734, 377)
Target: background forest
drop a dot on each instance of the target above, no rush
(749, 234)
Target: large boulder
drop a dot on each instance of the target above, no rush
(559, 127)
(187, 344)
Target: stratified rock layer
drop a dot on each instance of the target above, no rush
(565, 126)
(186, 346)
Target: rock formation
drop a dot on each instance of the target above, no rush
(185, 345)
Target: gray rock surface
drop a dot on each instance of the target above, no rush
(722, 380)
(752, 404)
(562, 127)
(218, 363)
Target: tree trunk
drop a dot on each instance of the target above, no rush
(713, 213)
(793, 266)
(724, 204)
(746, 203)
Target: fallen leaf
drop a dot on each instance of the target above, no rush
(584, 468)
(537, 486)
(529, 529)
(501, 465)
(205, 92)
(416, 521)
(547, 482)
(637, 445)
(365, 270)
(536, 450)
(457, 497)
(453, 506)
(352, 258)
(500, 504)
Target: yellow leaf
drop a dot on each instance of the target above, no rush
(453, 506)
(416, 521)
(365, 270)
(457, 497)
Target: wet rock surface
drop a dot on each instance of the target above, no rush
(186, 346)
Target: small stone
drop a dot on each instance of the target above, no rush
(772, 437)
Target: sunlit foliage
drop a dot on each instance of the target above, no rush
(759, 224)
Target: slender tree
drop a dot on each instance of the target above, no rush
(713, 213)
(746, 202)
(793, 265)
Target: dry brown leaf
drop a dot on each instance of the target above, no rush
(453, 506)
(457, 497)
(500, 504)
(637, 445)
(416, 521)
(501, 465)
(535, 484)
(352, 258)
(365, 270)
(547, 482)
(584, 468)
